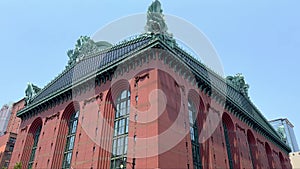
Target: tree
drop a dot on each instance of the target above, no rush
(18, 165)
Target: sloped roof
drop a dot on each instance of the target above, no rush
(91, 64)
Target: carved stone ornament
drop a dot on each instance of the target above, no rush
(239, 82)
(30, 92)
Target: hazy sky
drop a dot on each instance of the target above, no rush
(260, 39)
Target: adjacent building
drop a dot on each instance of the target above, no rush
(14, 121)
(285, 128)
(295, 159)
(5, 114)
(7, 141)
(143, 103)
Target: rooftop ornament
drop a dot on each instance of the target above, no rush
(156, 23)
(238, 81)
(84, 46)
(30, 92)
(155, 19)
(281, 132)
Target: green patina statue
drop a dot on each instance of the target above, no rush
(281, 132)
(156, 23)
(30, 92)
(84, 46)
(238, 81)
(155, 19)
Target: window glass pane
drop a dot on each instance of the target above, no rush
(114, 147)
(191, 117)
(121, 130)
(118, 114)
(122, 112)
(71, 145)
(126, 144)
(124, 94)
(192, 134)
(69, 158)
(128, 110)
(77, 114)
(127, 124)
(123, 105)
(128, 104)
(74, 127)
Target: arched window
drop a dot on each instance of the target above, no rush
(34, 147)
(70, 140)
(282, 161)
(269, 155)
(228, 128)
(252, 148)
(194, 135)
(120, 136)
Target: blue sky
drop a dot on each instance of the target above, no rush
(260, 39)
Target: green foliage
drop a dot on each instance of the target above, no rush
(18, 165)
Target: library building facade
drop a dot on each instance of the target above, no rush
(143, 103)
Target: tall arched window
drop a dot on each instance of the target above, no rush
(282, 161)
(228, 128)
(194, 135)
(34, 147)
(252, 148)
(120, 137)
(228, 146)
(269, 155)
(70, 140)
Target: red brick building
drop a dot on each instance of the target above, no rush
(14, 121)
(7, 141)
(144, 103)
